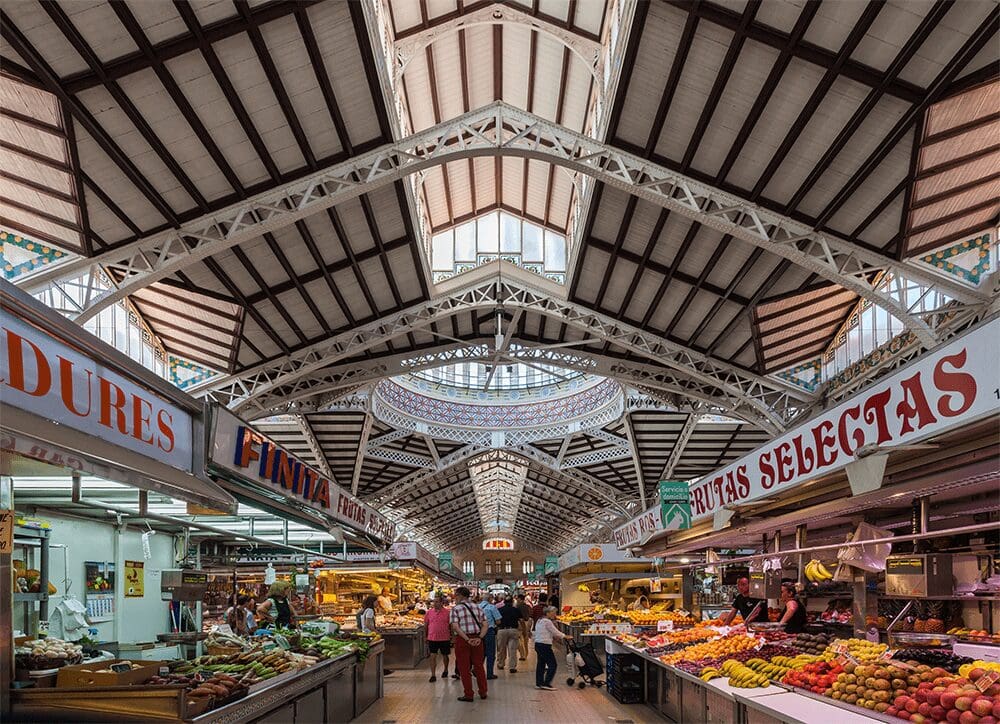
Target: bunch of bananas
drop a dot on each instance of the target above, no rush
(816, 571)
(709, 673)
(743, 677)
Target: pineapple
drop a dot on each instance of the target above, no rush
(935, 617)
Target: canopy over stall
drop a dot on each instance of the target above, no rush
(75, 402)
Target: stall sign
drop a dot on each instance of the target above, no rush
(6, 531)
(498, 544)
(675, 505)
(44, 376)
(551, 564)
(945, 389)
(134, 579)
(446, 561)
(597, 553)
(239, 448)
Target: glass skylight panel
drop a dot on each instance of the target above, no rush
(515, 240)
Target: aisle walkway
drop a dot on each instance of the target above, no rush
(513, 699)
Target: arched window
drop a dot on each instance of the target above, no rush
(469, 567)
(489, 568)
(528, 567)
(508, 567)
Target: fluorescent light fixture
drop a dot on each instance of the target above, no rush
(685, 560)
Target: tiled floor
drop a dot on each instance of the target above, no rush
(513, 698)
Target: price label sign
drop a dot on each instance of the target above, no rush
(121, 668)
(839, 647)
(886, 655)
(6, 532)
(664, 625)
(43, 628)
(987, 680)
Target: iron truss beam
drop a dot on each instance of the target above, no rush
(317, 450)
(694, 373)
(501, 130)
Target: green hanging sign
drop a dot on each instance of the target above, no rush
(446, 562)
(675, 505)
(551, 564)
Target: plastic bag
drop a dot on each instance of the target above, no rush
(868, 557)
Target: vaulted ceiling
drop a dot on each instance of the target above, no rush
(124, 121)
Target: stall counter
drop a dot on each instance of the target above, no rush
(404, 648)
(333, 690)
(797, 708)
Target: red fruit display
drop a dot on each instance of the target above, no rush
(982, 707)
(964, 703)
(968, 717)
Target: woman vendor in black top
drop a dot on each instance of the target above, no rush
(793, 615)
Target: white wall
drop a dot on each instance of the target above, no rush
(136, 619)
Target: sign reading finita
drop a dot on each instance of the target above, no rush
(952, 386)
(498, 544)
(239, 448)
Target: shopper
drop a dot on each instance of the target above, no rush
(236, 617)
(538, 610)
(492, 614)
(468, 622)
(524, 627)
(545, 633)
(743, 604)
(437, 626)
(277, 610)
(508, 634)
(793, 615)
(366, 616)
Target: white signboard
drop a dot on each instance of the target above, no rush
(239, 448)
(952, 386)
(597, 553)
(48, 378)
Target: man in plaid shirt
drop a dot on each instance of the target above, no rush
(469, 625)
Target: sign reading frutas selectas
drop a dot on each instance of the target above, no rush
(239, 448)
(44, 376)
(952, 386)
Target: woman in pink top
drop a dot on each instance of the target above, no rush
(438, 629)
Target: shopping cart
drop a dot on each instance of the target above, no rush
(583, 664)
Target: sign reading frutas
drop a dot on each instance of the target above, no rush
(947, 388)
(675, 505)
(44, 376)
(241, 449)
(498, 544)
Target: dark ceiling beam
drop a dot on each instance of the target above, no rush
(35, 123)
(809, 52)
(937, 243)
(560, 107)
(345, 244)
(221, 77)
(286, 266)
(931, 21)
(173, 90)
(35, 211)
(13, 69)
(416, 252)
(987, 74)
(277, 87)
(463, 61)
(82, 210)
(445, 18)
(958, 129)
(326, 271)
(174, 47)
(689, 238)
(26, 50)
(986, 32)
(251, 269)
(955, 191)
(371, 72)
(40, 188)
(80, 45)
(721, 79)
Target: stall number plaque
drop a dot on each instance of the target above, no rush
(121, 668)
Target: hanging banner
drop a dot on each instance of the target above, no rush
(134, 579)
(446, 562)
(949, 387)
(675, 505)
(250, 455)
(551, 564)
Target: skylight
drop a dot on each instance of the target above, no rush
(498, 235)
(474, 375)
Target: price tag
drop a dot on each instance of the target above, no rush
(121, 668)
(682, 612)
(664, 625)
(888, 654)
(839, 647)
(6, 531)
(43, 628)
(987, 680)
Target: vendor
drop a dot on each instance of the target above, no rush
(743, 604)
(276, 609)
(793, 615)
(384, 601)
(639, 604)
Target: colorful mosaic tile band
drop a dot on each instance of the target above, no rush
(20, 255)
